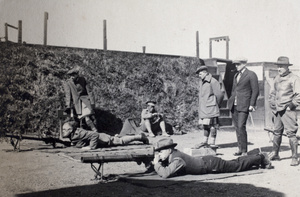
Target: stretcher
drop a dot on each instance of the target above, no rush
(145, 155)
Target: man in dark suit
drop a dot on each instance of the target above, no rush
(170, 162)
(243, 98)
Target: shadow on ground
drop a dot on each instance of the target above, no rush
(158, 188)
(231, 145)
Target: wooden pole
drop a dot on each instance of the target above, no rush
(20, 32)
(210, 48)
(45, 27)
(6, 32)
(197, 44)
(104, 36)
(227, 47)
(226, 38)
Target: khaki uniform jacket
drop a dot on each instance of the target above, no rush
(210, 97)
(78, 91)
(285, 93)
(82, 137)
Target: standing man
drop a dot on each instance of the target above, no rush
(210, 98)
(152, 121)
(283, 99)
(243, 98)
(79, 96)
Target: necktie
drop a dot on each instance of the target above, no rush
(238, 76)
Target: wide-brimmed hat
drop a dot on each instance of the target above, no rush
(201, 68)
(164, 143)
(240, 60)
(151, 103)
(201, 61)
(282, 60)
(74, 70)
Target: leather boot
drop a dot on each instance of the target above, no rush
(274, 155)
(213, 135)
(90, 124)
(294, 149)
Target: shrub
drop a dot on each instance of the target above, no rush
(32, 76)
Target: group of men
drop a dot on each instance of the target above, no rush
(80, 105)
(243, 98)
(168, 162)
(284, 99)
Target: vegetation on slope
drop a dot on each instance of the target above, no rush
(31, 86)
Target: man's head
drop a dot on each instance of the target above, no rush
(202, 71)
(240, 63)
(68, 128)
(283, 65)
(151, 105)
(164, 147)
(74, 72)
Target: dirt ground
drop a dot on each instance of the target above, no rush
(40, 170)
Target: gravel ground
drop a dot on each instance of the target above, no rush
(38, 170)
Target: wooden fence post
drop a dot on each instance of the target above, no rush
(197, 44)
(45, 27)
(144, 49)
(6, 32)
(227, 47)
(20, 32)
(210, 48)
(104, 36)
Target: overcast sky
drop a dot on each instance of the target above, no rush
(260, 30)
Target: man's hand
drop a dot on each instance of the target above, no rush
(86, 148)
(154, 114)
(292, 106)
(156, 159)
(251, 108)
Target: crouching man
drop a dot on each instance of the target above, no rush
(89, 140)
(170, 162)
(152, 121)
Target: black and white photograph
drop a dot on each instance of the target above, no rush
(149, 98)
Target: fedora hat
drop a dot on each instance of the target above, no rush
(201, 62)
(240, 60)
(164, 143)
(282, 60)
(201, 68)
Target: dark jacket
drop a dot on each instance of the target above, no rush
(246, 91)
(180, 163)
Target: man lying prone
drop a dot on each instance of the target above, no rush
(170, 162)
(89, 140)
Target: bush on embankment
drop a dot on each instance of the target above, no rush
(31, 86)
